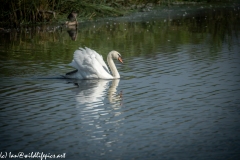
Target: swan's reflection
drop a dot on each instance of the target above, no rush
(93, 92)
(113, 96)
(99, 107)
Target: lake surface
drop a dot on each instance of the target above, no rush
(178, 96)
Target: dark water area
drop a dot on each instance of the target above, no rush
(178, 96)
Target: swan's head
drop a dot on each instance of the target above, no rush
(116, 55)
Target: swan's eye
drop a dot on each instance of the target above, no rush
(119, 55)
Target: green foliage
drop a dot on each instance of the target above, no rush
(89, 9)
(24, 11)
(135, 38)
(17, 12)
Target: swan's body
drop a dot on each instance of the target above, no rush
(90, 65)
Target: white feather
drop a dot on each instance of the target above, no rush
(89, 65)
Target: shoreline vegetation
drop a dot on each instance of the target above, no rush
(17, 13)
(169, 28)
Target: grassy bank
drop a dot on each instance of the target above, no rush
(17, 12)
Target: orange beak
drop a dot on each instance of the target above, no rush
(120, 59)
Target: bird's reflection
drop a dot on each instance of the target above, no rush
(72, 32)
(90, 92)
(113, 96)
(99, 109)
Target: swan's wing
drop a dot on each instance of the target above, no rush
(99, 58)
(88, 66)
(84, 63)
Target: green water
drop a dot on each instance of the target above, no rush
(134, 35)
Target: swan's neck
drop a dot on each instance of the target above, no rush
(112, 66)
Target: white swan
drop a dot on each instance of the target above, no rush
(90, 65)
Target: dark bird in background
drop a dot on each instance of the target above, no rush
(72, 16)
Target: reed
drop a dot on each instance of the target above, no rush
(17, 12)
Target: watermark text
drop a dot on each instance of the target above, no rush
(37, 155)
